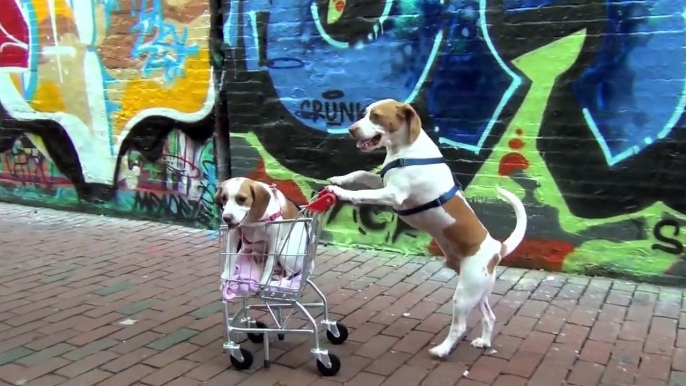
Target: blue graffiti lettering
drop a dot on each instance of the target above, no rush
(168, 48)
(634, 93)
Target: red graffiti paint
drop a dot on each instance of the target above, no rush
(434, 249)
(518, 131)
(512, 162)
(531, 254)
(340, 5)
(14, 38)
(287, 187)
(539, 254)
(516, 143)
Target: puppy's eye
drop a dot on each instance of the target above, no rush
(374, 115)
(240, 200)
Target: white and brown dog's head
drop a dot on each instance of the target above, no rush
(243, 201)
(387, 123)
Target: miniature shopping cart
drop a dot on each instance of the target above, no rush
(281, 297)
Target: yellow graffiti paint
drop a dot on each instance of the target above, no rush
(44, 8)
(187, 94)
(48, 98)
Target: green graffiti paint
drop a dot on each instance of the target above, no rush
(596, 246)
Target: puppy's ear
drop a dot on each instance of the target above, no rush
(414, 123)
(218, 196)
(260, 200)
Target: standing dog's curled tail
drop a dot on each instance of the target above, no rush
(518, 233)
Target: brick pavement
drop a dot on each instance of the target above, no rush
(67, 281)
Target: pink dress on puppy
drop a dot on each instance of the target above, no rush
(247, 273)
(245, 280)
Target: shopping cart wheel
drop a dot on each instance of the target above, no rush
(342, 334)
(247, 360)
(281, 336)
(257, 338)
(329, 371)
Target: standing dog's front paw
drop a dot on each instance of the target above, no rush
(341, 193)
(339, 180)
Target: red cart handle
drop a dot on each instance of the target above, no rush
(324, 201)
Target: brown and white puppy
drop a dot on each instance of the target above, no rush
(247, 207)
(466, 244)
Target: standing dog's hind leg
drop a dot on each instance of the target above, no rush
(487, 323)
(462, 304)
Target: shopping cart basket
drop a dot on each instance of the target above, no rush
(282, 296)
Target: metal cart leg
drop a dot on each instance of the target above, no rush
(280, 323)
(321, 355)
(267, 361)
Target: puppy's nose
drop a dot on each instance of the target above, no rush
(228, 219)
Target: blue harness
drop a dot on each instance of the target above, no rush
(403, 162)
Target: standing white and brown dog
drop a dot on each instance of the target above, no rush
(420, 187)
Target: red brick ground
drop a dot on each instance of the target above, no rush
(67, 280)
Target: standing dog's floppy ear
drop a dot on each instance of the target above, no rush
(414, 123)
(218, 196)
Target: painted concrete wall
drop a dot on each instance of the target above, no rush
(576, 106)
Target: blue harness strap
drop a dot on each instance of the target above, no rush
(445, 197)
(402, 162)
(431, 204)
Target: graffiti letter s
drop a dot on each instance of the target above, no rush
(675, 246)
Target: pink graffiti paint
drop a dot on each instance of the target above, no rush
(14, 38)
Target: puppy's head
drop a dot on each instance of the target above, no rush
(387, 123)
(242, 201)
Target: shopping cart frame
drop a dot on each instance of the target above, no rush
(275, 301)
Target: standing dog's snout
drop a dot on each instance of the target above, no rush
(353, 130)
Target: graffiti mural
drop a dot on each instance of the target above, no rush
(105, 105)
(577, 106)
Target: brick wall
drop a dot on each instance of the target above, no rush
(575, 106)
